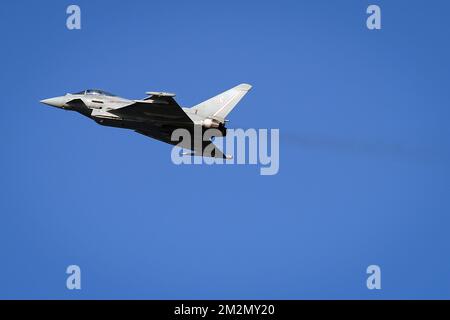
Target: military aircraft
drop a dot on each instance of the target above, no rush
(157, 115)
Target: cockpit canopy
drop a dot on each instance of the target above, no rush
(96, 92)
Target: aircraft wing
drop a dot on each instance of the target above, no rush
(157, 134)
(155, 109)
(209, 149)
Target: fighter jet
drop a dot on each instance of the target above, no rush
(157, 115)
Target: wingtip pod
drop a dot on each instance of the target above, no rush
(191, 153)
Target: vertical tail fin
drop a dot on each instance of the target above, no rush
(220, 106)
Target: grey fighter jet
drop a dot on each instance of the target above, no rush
(158, 115)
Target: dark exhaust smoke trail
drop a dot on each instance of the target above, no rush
(369, 148)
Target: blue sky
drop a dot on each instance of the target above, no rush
(364, 152)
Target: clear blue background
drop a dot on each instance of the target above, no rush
(364, 162)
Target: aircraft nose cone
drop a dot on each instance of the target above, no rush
(54, 102)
